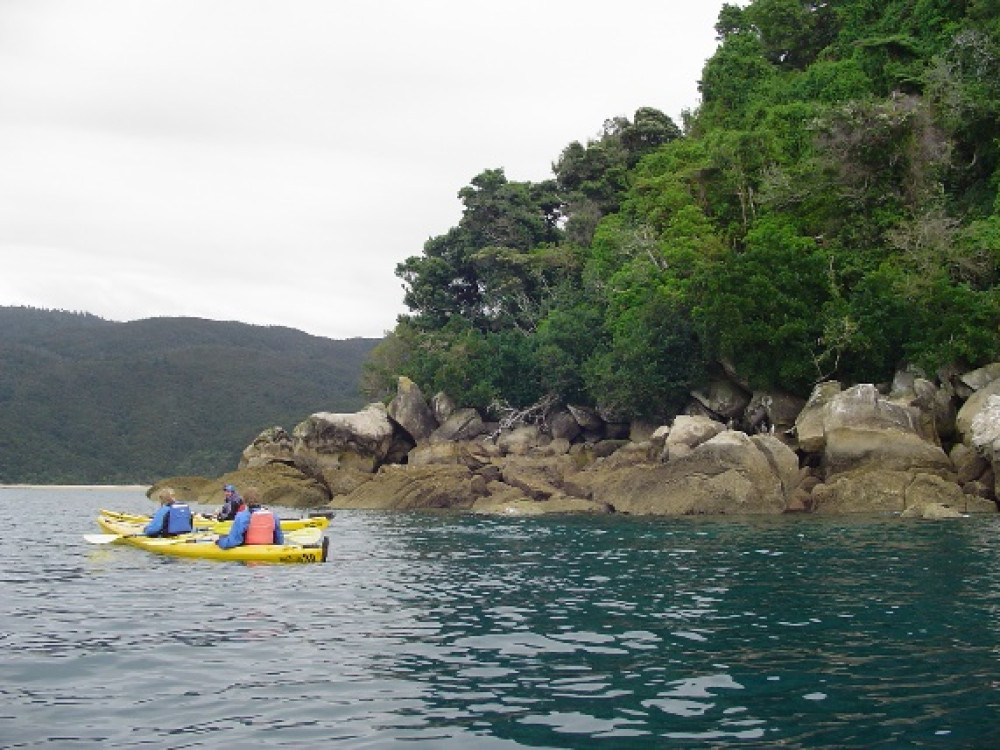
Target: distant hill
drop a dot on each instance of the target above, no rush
(86, 400)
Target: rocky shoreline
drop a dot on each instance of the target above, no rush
(915, 447)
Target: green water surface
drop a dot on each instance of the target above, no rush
(451, 631)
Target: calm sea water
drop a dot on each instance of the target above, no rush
(452, 631)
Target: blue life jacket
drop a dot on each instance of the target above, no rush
(179, 520)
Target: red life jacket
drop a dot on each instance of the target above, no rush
(261, 527)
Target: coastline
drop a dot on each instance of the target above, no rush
(101, 487)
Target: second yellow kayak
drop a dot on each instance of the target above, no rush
(207, 523)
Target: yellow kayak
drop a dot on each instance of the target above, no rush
(207, 523)
(202, 545)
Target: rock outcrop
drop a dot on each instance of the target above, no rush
(918, 448)
(359, 441)
(410, 410)
(272, 446)
(277, 484)
(729, 473)
(877, 453)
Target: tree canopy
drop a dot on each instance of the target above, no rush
(830, 211)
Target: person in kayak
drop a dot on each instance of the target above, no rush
(171, 518)
(254, 524)
(231, 505)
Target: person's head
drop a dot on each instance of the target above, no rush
(166, 496)
(252, 497)
(229, 490)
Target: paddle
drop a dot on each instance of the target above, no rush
(305, 537)
(109, 538)
(105, 538)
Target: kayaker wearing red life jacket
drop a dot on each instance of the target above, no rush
(254, 524)
(171, 518)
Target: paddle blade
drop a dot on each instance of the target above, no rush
(102, 538)
(310, 535)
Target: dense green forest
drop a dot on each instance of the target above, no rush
(85, 400)
(830, 211)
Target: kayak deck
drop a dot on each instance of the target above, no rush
(201, 545)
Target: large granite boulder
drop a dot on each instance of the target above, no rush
(935, 403)
(889, 492)
(591, 423)
(969, 465)
(881, 454)
(409, 409)
(978, 425)
(443, 406)
(983, 434)
(416, 488)
(563, 425)
(538, 477)
(471, 454)
(273, 445)
(809, 427)
(521, 440)
(360, 441)
(723, 398)
(687, 433)
(981, 377)
(344, 481)
(772, 411)
(619, 453)
(731, 473)
(461, 424)
(974, 404)
(859, 428)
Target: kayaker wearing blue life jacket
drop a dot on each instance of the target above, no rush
(171, 518)
(254, 524)
(231, 505)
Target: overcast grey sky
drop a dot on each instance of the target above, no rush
(271, 161)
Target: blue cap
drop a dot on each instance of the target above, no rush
(229, 488)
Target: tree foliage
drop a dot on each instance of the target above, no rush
(453, 278)
(831, 210)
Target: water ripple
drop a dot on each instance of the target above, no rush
(455, 631)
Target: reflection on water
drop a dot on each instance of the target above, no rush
(458, 631)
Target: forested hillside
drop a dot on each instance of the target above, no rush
(829, 212)
(85, 400)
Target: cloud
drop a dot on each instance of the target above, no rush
(292, 154)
